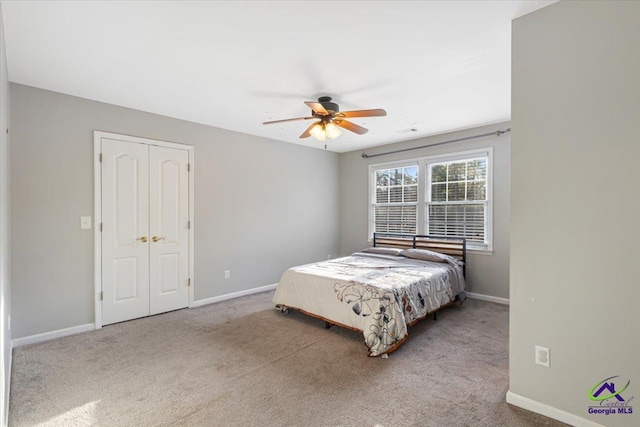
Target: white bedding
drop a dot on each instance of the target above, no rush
(378, 294)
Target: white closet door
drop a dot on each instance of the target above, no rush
(168, 215)
(125, 237)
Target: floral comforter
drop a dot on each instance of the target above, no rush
(381, 295)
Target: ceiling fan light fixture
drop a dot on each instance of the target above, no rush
(318, 132)
(331, 130)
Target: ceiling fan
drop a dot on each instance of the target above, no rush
(331, 119)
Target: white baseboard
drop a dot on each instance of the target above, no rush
(549, 411)
(232, 295)
(32, 339)
(488, 298)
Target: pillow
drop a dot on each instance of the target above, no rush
(383, 251)
(426, 255)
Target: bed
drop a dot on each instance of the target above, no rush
(382, 290)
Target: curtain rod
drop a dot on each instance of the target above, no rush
(497, 133)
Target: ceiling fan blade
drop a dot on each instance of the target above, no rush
(306, 133)
(363, 113)
(317, 108)
(351, 126)
(288, 120)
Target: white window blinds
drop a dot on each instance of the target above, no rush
(444, 195)
(395, 200)
(457, 199)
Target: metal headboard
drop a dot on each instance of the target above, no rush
(453, 246)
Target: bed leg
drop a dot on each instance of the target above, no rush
(435, 315)
(327, 325)
(282, 309)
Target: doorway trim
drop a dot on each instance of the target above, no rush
(97, 210)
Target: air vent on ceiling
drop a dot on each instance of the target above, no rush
(407, 130)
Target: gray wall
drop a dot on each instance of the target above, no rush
(261, 206)
(486, 274)
(575, 206)
(5, 282)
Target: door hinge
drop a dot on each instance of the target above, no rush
(100, 157)
(188, 167)
(189, 225)
(101, 227)
(189, 282)
(101, 295)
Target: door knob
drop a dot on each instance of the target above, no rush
(143, 239)
(157, 239)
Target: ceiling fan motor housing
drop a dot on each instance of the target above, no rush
(328, 105)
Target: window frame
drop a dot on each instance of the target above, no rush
(372, 189)
(424, 189)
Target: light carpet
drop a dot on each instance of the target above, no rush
(242, 363)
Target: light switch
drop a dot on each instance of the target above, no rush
(85, 222)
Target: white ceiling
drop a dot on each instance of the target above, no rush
(435, 66)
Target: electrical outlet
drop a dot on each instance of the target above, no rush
(543, 356)
(85, 222)
(227, 274)
(329, 256)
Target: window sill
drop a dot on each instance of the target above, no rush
(479, 251)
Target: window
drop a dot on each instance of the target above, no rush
(457, 200)
(395, 199)
(441, 196)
